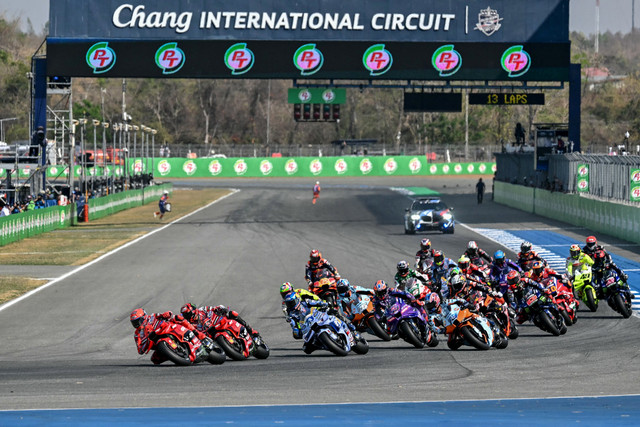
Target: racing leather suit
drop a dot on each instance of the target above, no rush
(577, 264)
(439, 276)
(204, 318)
(477, 255)
(151, 323)
(296, 317)
(313, 273)
(350, 300)
(401, 281)
(522, 289)
(421, 256)
(304, 295)
(525, 259)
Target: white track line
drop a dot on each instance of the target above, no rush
(82, 267)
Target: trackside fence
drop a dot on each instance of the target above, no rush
(27, 224)
(618, 220)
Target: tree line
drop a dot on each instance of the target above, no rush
(223, 112)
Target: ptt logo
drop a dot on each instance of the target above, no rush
(515, 61)
(377, 60)
(446, 60)
(170, 58)
(239, 59)
(308, 59)
(101, 57)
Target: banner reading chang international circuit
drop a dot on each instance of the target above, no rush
(412, 39)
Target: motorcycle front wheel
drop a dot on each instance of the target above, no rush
(331, 345)
(590, 298)
(470, 335)
(216, 356)
(547, 324)
(407, 333)
(377, 329)
(261, 350)
(179, 356)
(621, 306)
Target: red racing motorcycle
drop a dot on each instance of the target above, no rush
(235, 340)
(182, 347)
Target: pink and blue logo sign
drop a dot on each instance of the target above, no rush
(170, 58)
(308, 59)
(515, 61)
(446, 60)
(239, 59)
(101, 58)
(377, 60)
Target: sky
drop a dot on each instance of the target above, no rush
(615, 15)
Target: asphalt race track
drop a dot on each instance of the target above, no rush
(71, 344)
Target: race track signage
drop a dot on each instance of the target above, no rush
(387, 39)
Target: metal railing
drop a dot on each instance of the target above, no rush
(609, 176)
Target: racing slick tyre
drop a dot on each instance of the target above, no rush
(590, 299)
(454, 343)
(547, 324)
(179, 356)
(621, 306)
(514, 332)
(501, 341)
(407, 333)
(361, 347)
(377, 329)
(566, 317)
(433, 340)
(470, 335)
(231, 350)
(261, 350)
(216, 356)
(331, 345)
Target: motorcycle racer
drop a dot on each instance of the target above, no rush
(145, 324)
(540, 272)
(526, 256)
(577, 261)
(286, 288)
(385, 296)
(521, 285)
(405, 273)
(592, 246)
(297, 311)
(318, 267)
(472, 271)
(424, 254)
(476, 254)
(349, 297)
(601, 263)
(439, 273)
(203, 317)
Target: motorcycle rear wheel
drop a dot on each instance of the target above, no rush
(331, 345)
(407, 334)
(230, 349)
(547, 324)
(164, 349)
(470, 336)
(590, 298)
(377, 329)
(621, 306)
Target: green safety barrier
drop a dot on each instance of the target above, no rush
(610, 218)
(26, 224)
(256, 167)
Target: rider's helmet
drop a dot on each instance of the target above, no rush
(314, 258)
(591, 242)
(472, 247)
(292, 300)
(165, 192)
(425, 244)
(455, 271)
(574, 250)
(403, 268)
(525, 247)
(513, 278)
(457, 282)
(537, 267)
(432, 301)
(285, 289)
(438, 258)
(380, 289)
(499, 257)
(463, 262)
(343, 287)
(138, 317)
(187, 311)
